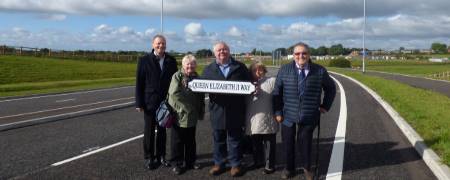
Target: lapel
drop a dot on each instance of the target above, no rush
(233, 67)
(154, 60)
(312, 69)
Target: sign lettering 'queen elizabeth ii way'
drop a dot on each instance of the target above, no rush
(224, 87)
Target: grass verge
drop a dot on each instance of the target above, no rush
(426, 111)
(23, 89)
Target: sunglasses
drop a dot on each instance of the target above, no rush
(300, 53)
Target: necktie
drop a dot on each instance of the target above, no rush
(302, 74)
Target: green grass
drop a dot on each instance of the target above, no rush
(426, 111)
(409, 67)
(22, 89)
(21, 69)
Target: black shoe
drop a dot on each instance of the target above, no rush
(164, 162)
(195, 166)
(149, 164)
(268, 171)
(178, 170)
(287, 174)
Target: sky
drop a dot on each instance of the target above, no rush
(190, 25)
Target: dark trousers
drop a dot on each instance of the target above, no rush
(304, 140)
(227, 146)
(183, 146)
(149, 137)
(264, 149)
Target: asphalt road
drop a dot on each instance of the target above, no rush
(374, 146)
(439, 86)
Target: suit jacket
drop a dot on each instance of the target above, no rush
(152, 83)
(227, 111)
(302, 109)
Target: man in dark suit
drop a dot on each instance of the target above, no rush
(298, 104)
(227, 112)
(153, 75)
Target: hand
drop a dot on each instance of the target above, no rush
(279, 118)
(139, 109)
(322, 110)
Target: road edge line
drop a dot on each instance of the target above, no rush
(335, 166)
(431, 159)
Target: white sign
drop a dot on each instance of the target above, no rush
(225, 87)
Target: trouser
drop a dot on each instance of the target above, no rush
(227, 146)
(264, 149)
(183, 145)
(304, 135)
(149, 137)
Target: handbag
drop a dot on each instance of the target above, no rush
(165, 115)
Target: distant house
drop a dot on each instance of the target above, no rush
(425, 51)
(438, 59)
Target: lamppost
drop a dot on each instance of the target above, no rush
(162, 17)
(364, 42)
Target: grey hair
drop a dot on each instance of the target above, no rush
(158, 36)
(220, 42)
(300, 44)
(188, 58)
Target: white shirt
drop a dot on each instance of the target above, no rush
(161, 60)
(305, 67)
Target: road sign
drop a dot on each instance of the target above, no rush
(223, 87)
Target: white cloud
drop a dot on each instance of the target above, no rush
(234, 32)
(53, 17)
(251, 9)
(269, 29)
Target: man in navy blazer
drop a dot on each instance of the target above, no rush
(227, 112)
(153, 75)
(298, 104)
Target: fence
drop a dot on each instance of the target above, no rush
(441, 75)
(78, 55)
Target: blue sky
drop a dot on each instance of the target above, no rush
(192, 25)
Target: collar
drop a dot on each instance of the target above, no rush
(305, 66)
(224, 65)
(154, 52)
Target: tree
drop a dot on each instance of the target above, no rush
(321, 51)
(204, 53)
(337, 49)
(439, 48)
(282, 51)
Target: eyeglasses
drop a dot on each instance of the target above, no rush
(300, 53)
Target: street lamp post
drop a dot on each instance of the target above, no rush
(364, 42)
(162, 16)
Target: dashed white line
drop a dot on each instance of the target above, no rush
(96, 151)
(65, 100)
(59, 115)
(56, 95)
(337, 154)
(68, 107)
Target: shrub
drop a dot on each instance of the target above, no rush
(340, 62)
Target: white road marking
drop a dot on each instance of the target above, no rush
(91, 149)
(56, 95)
(71, 113)
(96, 151)
(65, 100)
(431, 159)
(337, 155)
(68, 107)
